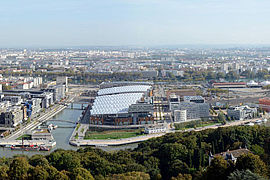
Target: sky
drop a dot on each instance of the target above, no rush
(56, 23)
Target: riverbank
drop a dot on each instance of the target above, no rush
(113, 142)
(45, 143)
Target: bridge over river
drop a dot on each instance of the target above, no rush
(62, 120)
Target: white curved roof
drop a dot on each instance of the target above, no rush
(124, 89)
(114, 104)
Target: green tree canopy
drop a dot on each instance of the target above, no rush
(253, 163)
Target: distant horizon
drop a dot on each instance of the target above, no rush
(182, 46)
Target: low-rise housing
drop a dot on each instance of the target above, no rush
(155, 129)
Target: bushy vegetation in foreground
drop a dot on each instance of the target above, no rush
(173, 156)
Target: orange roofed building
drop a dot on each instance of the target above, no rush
(265, 104)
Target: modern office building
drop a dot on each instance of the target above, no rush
(174, 102)
(195, 110)
(180, 115)
(241, 112)
(192, 107)
(123, 105)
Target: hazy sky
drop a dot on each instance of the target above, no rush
(133, 22)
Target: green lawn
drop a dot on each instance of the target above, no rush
(78, 126)
(112, 134)
(25, 136)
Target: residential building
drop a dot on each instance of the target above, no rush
(12, 116)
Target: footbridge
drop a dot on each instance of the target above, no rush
(62, 120)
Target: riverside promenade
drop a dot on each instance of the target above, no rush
(112, 142)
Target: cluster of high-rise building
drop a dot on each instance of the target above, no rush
(19, 105)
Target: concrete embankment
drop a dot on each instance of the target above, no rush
(111, 142)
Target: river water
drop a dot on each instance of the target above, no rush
(62, 135)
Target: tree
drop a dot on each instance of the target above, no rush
(172, 151)
(6, 87)
(62, 175)
(232, 75)
(221, 118)
(210, 75)
(253, 163)
(152, 167)
(39, 173)
(4, 172)
(178, 167)
(218, 169)
(81, 173)
(129, 176)
(258, 150)
(53, 172)
(64, 160)
(244, 174)
(38, 160)
(182, 177)
(220, 75)
(18, 168)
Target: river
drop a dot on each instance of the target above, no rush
(62, 135)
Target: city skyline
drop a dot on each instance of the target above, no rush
(133, 23)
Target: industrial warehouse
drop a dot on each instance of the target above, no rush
(123, 104)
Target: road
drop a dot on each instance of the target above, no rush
(235, 123)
